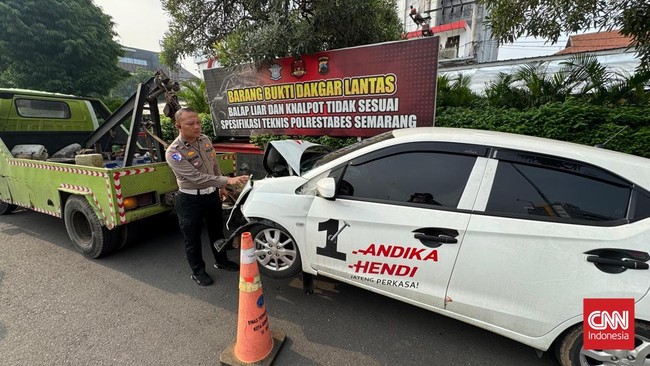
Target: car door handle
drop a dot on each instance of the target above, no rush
(617, 260)
(434, 241)
(627, 263)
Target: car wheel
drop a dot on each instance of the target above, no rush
(6, 208)
(572, 354)
(85, 230)
(276, 251)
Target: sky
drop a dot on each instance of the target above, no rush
(142, 23)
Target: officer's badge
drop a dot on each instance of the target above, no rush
(275, 72)
(207, 145)
(323, 65)
(190, 153)
(176, 157)
(298, 68)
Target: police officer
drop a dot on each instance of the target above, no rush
(201, 186)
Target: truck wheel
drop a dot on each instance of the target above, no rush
(6, 208)
(86, 232)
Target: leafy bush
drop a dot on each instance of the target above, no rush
(573, 121)
(628, 127)
(169, 131)
(333, 142)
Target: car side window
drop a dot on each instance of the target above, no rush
(541, 192)
(42, 108)
(420, 177)
(641, 205)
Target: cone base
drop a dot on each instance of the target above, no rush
(228, 356)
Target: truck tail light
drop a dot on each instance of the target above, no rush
(141, 200)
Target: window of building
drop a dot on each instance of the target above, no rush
(544, 192)
(420, 177)
(134, 61)
(452, 42)
(42, 108)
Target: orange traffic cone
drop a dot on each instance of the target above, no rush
(255, 342)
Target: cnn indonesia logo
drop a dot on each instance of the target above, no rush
(608, 323)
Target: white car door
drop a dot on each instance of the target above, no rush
(398, 219)
(527, 260)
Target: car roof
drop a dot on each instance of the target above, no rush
(631, 167)
(40, 93)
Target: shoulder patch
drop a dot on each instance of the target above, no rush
(176, 156)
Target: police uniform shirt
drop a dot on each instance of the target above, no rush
(195, 164)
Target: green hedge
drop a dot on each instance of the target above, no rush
(572, 121)
(569, 121)
(169, 131)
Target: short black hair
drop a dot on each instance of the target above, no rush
(181, 111)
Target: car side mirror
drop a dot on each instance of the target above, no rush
(326, 188)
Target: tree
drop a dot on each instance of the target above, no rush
(240, 31)
(455, 92)
(581, 77)
(125, 88)
(549, 19)
(193, 93)
(63, 46)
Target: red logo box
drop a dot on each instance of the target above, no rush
(608, 323)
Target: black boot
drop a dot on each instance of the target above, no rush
(222, 262)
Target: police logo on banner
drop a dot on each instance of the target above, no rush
(298, 68)
(323, 65)
(275, 71)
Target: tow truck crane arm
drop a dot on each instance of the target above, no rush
(144, 98)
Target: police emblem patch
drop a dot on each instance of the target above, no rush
(176, 156)
(323, 65)
(298, 68)
(275, 72)
(190, 153)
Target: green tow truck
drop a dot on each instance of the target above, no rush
(69, 157)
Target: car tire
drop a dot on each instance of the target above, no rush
(86, 231)
(570, 351)
(276, 250)
(6, 208)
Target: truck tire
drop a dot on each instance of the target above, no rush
(6, 208)
(86, 231)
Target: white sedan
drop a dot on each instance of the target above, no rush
(506, 232)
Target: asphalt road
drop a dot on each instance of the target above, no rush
(139, 307)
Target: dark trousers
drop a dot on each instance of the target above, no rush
(192, 212)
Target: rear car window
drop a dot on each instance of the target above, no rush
(641, 205)
(42, 108)
(543, 192)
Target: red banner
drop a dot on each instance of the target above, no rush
(359, 91)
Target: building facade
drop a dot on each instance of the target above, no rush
(464, 39)
(136, 58)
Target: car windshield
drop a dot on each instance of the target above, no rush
(354, 147)
(311, 157)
